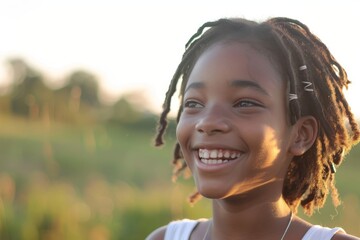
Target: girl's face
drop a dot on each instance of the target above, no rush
(233, 131)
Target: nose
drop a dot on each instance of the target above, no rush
(213, 121)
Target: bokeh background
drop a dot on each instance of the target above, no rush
(81, 85)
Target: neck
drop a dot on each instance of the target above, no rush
(246, 217)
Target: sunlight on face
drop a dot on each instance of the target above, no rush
(233, 131)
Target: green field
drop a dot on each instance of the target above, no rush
(108, 182)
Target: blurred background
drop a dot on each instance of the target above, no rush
(81, 86)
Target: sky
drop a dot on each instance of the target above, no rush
(135, 46)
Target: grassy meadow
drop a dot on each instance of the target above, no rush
(102, 182)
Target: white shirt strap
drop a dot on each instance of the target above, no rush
(317, 232)
(180, 230)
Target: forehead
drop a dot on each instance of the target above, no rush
(229, 61)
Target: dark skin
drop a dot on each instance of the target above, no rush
(232, 86)
(298, 231)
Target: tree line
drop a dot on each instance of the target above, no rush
(76, 101)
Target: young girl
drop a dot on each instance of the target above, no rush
(263, 124)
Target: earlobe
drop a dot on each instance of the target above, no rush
(305, 133)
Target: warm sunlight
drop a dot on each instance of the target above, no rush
(137, 46)
(85, 154)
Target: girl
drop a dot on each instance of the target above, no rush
(262, 125)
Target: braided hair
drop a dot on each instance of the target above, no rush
(315, 81)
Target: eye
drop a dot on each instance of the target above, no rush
(192, 104)
(247, 103)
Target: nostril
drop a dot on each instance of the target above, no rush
(211, 127)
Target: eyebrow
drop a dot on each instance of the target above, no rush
(234, 83)
(195, 85)
(248, 84)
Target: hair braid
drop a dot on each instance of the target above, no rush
(333, 132)
(310, 177)
(166, 108)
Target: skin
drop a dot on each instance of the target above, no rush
(235, 100)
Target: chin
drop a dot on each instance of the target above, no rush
(212, 192)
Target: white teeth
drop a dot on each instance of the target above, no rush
(213, 154)
(206, 153)
(213, 161)
(218, 154)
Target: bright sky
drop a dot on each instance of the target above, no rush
(137, 45)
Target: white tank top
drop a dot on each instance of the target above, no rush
(181, 230)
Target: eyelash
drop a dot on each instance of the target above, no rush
(191, 103)
(195, 104)
(247, 102)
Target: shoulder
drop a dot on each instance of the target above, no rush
(179, 229)
(309, 231)
(319, 232)
(158, 234)
(344, 236)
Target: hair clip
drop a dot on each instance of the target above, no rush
(292, 96)
(303, 67)
(307, 86)
(332, 168)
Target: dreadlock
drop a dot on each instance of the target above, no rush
(316, 79)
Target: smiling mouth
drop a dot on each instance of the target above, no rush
(217, 156)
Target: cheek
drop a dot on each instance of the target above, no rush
(265, 145)
(182, 132)
(183, 136)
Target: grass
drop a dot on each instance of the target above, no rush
(108, 182)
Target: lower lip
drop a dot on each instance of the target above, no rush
(213, 167)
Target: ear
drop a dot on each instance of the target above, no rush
(304, 133)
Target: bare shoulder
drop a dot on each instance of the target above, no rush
(343, 236)
(158, 234)
(304, 226)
